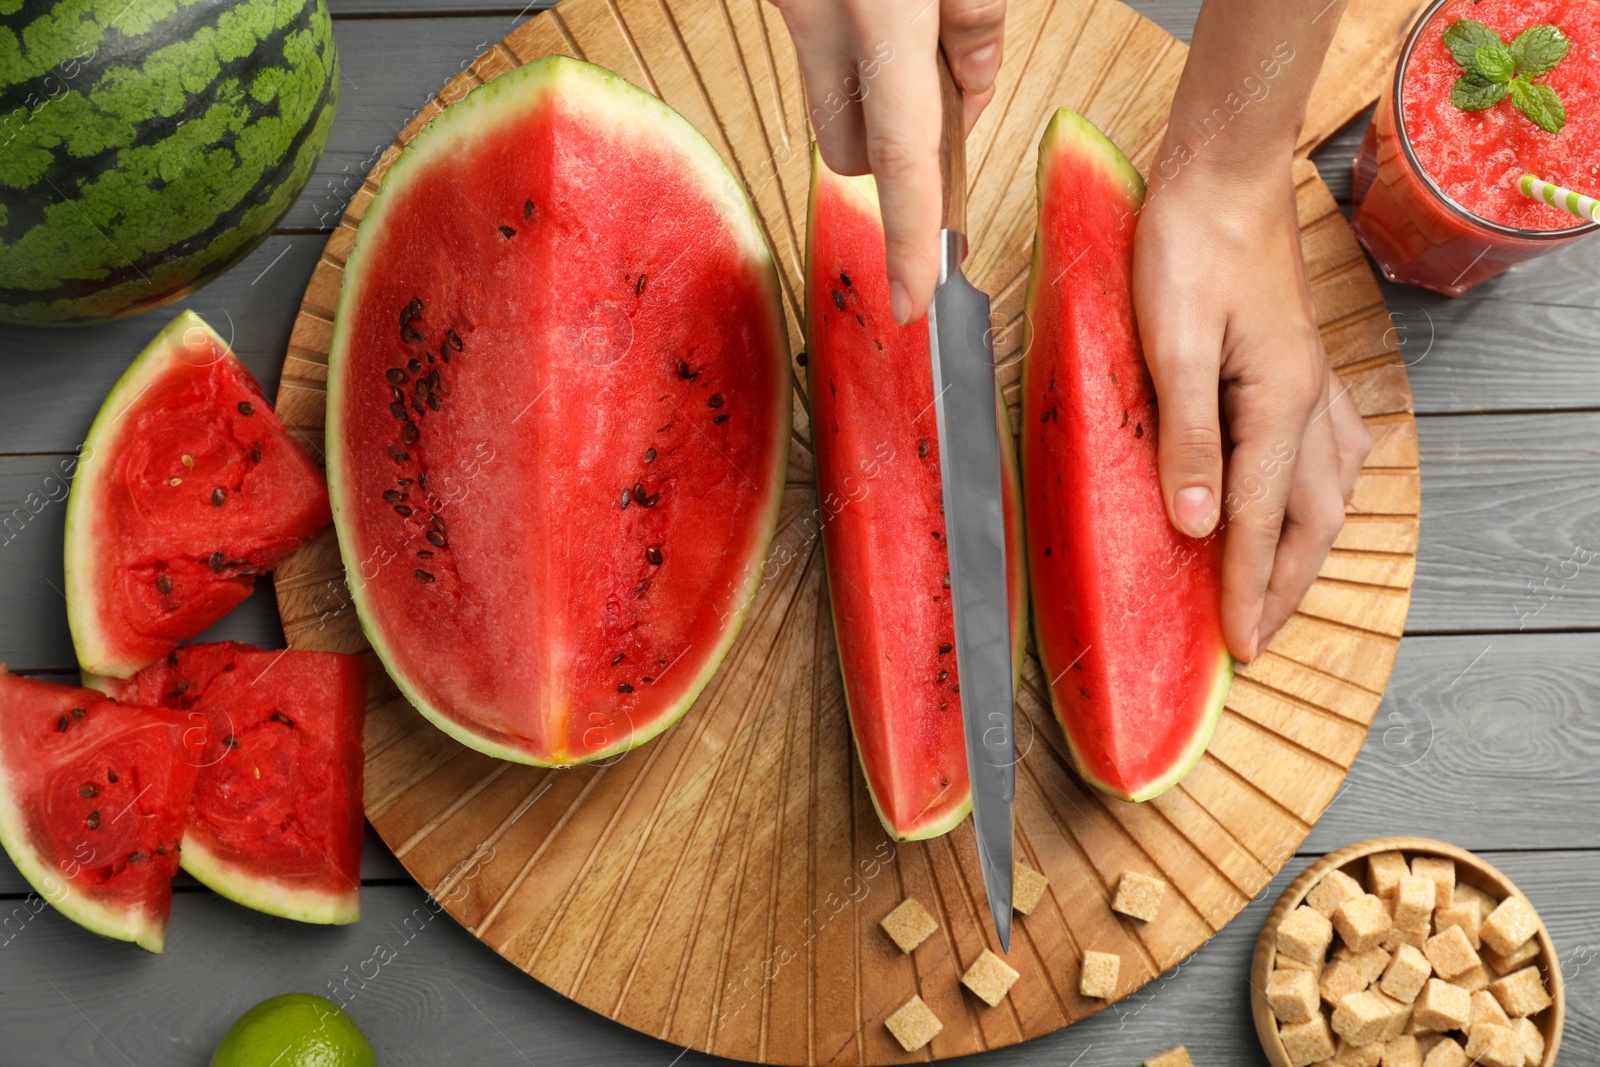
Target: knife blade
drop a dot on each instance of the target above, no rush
(961, 351)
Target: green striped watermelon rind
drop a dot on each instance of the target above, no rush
(172, 183)
(646, 115)
(1067, 126)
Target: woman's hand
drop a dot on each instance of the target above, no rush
(872, 87)
(1222, 299)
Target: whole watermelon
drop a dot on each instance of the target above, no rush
(148, 145)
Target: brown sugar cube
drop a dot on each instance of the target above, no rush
(1349, 1055)
(1407, 973)
(1308, 1042)
(1413, 902)
(1468, 892)
(1027, 887)
(1486, 1011)
(1532, 1039)
(1494, 1046)
(1399, 1017)
(1442, 1007)
(1363, 922)
(1304, 935)
(1362, 1018)
(1138, 895)
(990, 978)
(914, 1024)
(1290, 964)
(1173, 1057)
(1335, 888)
(1466, 915)
(1521, 993)
(1384, 871)
(1401, 1052)
(1293, 995)
(1399, 936)
(1473, 978)
(909, 924)
(1451, 953)
(1099, 975)
(1447, 1053)
(1510, 925)
(1441, 871)
(1339, 981)
(1503, 963)
(1369, 964)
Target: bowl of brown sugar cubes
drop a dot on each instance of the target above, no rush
(1406, 952)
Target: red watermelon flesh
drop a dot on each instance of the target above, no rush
(187, 488)
(875, 433)
(276, 820)
(1127, 611)
(558, 415)
(93, 796)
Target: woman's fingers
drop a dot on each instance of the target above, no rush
(1350, 433)
(829, 68)
(972, 35)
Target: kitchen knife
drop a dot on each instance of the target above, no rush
(961, 350)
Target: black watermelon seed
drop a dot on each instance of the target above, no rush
(279, 716)
(649, 455)
(408, 432)
(683, 370)
(398, 410)
(1138, 429)
(859, 320)
(945, 647)
(230, 741)
(402, 482)
(397, 395)
(433, 401)
(414, 366)
(433, 379)
(424, 553)
(246, 408)
(626, 496)
(453, 339)
(408, 335)
(944, 675)
(402, 510)
(393, 496)
(638, 492)
(714, 400)
(507, 232)
(444, 353)
(922, 448)
(163, 584)
(217, 561)
(414, 309)
(397, 454)
(650, 501)
(619, 658)
(878, 343)
(955, 688)
(255, 455)
(947, 579)
(395, 375)
(624, 688)
(78, 713)
(111, 775)
(135, 857)
(1124, 421)
(62, 724)
(423, 576)
(638, 290)
(88, 789)
(422, 482)
(844, 279)
(801, 359)
(436, 539)
(527, 209)
(720, 419)
(653, 554)
(438, 524)
(838, 300)
(218, 495)
(93, 821)
(647, 678)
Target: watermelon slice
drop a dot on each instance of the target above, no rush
(276, 819)
(558, 415)
(92, 803)
(1127, 611)
(186, 489)
(875, 434)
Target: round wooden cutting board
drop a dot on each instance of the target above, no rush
(721, 887)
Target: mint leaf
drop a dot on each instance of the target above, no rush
(1474, 92)
(1537, 101)
(1495, 62)
(1464, 37)
(1538, 49)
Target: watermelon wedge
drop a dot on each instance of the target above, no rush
(186, 489)
(276, 820)
(92, 802)
(1127, 611)
(875, 434)
(558, 415)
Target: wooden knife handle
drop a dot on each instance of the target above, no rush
(952, 151)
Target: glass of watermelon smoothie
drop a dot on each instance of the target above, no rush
(1437, 203)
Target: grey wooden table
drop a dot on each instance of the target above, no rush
(1488, 736)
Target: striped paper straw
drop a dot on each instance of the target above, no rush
(1585, 207)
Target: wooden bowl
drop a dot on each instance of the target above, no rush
(1470, 870)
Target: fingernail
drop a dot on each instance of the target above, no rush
(1255, 642)
(979, 67)
(1196, 510)
(899, 303)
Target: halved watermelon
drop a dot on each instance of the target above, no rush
(186, 489)
(558, 415)
(276, 819)
(1127, 610)
(93, 796)
(875, 433)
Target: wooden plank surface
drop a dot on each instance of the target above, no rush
(1512, 733)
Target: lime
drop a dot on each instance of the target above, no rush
(294, 1030)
